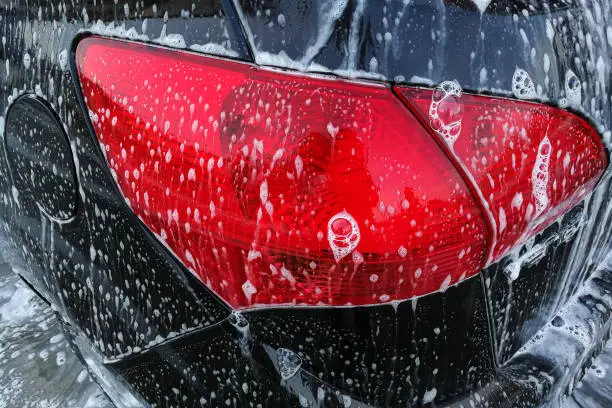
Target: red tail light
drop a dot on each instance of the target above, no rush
(277, 188)
(531, 162)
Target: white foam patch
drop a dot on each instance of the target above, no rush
(34, 349)
(502, 220)
(540, 176)
(249, 290)
(216, 49)
(482, 5)
(328, 13)
(343, 244)
(446, 98)
(63, 59)
(15, 310)
(573, 91)
(430, 395)
(116, 31)
(517, 201)
(445, 284)
(288, 363)
(522, 85)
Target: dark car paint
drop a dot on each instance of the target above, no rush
(42, 143)
(92, 286)
(188, 348)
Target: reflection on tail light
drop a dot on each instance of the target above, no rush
(277, 188)
(530, 162)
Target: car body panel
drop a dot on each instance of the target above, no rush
(172, 340)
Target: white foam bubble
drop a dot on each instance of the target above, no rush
(357, 258)
(63, 59)
(445, 283)
(402, 251)
(446, 99)
(288, 363)
(540, 176)
(171, 40)
(573, 91)
(522, 85)
(430, 395)
(249, 289)
(263, 192)
(27, 60)
(299, 166)
(237, 320)
(343, 244)
(502, 220)
(517, 201)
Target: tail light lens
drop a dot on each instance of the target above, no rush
(531, 162)
(276, 188)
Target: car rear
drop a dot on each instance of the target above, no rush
(319, 203)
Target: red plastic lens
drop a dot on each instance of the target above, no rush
(277, 188)
(529, 161)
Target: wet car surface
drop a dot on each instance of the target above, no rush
(39, 369)
(312, 203)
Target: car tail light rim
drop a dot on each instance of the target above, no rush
(276, 188)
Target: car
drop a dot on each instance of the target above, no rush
(260, 203)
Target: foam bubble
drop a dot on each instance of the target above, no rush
(63, 59)
(27, 61)
(237, 320)
(249, 289)
(343, 234)
(540, 176)
(299, 166)
(445, 111)
(522, 85)
(573, 91)
(502, 219)
(445, 283)
(517, 201)
(430, 395)
(288, 363)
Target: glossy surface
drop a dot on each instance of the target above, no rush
(529, 162)
(40, 159)
(37, 365)
(275, 188)
(562, 47)
(285, 362)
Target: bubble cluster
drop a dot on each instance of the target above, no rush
(288, 363)
(445, 111)
(522, 85)
(540, 176)
(343, 234)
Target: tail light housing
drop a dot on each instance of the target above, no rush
(279, 188)
(530, 162)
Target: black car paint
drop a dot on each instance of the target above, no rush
(43, 144)
(455, 342)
